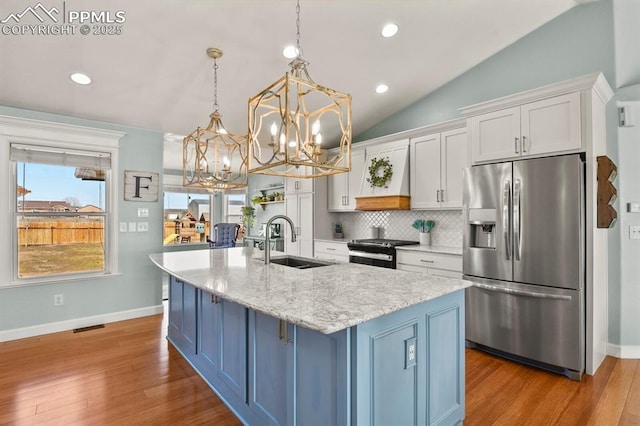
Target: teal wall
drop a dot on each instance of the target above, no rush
(139, 283)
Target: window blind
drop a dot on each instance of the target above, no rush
(60, 157)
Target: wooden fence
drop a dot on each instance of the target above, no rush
(35, 233)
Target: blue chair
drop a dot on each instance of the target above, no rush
(225, 235)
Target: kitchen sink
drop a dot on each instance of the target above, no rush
(299, 262)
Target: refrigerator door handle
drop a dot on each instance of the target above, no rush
(517, 247)
(521, 292)
(506, 196)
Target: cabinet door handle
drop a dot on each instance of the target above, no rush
(442, 195)
(330, 249)
(427, 261)
(214, 299)
(517, 147)
(438, 195)
(283, 332)
(524, 144)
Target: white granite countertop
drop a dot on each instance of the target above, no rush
(326, 299)
(433, 249)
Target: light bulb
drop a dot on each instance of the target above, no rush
(226, 162)
(292, 144)
(315, 128)
(274, 129)
(318, 139)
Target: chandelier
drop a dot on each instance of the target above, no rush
(286, 121)
(213, 158)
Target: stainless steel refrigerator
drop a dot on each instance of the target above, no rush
(524, 248)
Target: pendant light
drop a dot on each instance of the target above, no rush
(289, 120)
(214, 158)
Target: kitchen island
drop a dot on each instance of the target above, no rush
(336, 344)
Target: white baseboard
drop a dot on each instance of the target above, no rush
(55, 327)
(625, 352)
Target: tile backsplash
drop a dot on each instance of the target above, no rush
(397, 225)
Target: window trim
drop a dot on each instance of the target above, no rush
(32, 132)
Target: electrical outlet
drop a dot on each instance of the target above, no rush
(123, 226)
(143, 226)
(143, 212)
(410, 353)
(132, 227)
(634, 232)
(58, 299)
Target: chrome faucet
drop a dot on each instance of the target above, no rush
(267, 243)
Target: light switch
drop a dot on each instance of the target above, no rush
(143, 226)
(633, 207)
(634, 232)
(143, 212)
(132, 227)
(123, 226)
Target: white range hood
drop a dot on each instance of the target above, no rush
(395, 196)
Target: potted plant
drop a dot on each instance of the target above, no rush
(279, 196)
(259, 199)
(248, 216)
(424, 228)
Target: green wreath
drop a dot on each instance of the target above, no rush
(377, 179)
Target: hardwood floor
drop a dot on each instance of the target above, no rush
(127, 373)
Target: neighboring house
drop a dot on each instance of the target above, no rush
(198, 206)
(43, 206)
(89, 208)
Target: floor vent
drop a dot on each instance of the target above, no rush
(91, 327)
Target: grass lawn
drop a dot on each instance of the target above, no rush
(59, 259)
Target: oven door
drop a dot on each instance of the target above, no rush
(373, 259)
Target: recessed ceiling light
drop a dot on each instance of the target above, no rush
(382, 88)
(389, 30)
(80, 78)
(290, 52)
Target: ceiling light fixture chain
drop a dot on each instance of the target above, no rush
(299, 49)
(215, 83)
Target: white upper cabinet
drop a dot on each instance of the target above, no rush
(344, 187)
(436, 164)
(297, 185)
(547, 126)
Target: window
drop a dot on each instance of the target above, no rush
(233, 207)
(62, 211)
(35, 142)
(186, 217)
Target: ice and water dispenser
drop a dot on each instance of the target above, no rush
(482, 228)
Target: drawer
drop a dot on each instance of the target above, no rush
(430, 260)
(338, 249)
(332, 257)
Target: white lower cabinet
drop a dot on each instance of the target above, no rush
(332, 251)
(440, 264)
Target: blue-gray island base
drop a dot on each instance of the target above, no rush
(402, 367)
